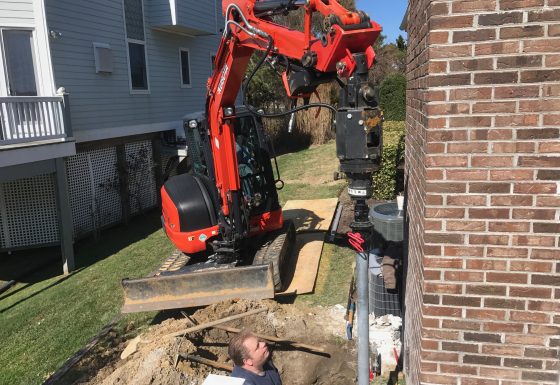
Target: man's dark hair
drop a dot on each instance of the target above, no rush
(237, 350)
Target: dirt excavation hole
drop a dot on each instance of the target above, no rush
(152, 362)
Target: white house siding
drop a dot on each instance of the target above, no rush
(16, 12)
(104, 101)
(198, 14)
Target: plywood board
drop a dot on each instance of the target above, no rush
(312, 219)
(315, 214)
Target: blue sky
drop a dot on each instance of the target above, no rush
(388, 14)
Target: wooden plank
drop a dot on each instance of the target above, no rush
(216, 322)
(310, 215)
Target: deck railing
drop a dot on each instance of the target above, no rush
(25, 119)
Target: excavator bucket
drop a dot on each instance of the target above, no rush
(198, 288)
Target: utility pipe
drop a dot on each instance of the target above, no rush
(363, 316)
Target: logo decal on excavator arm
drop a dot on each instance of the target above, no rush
(222, 78)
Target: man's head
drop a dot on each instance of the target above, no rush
(248, 351)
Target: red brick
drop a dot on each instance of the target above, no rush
(481, 360)
(491, 135)
(436, 123)
(554, 30)
(549, 147)
(503, 252)
(521, 363)
(463, 251)
(488, 239)
(430, 299)
(432, 275)
(517, 147)
(468, 147)
(503, 327)
(531, 266)
(446, 161)
(474, 35)
(506, 277)
(525, 340)
(443, 238)
(450, 80)
(545, 254)
(538, 133)
(466, 175)
(439, 37)
(466, 6)
(521, 32)
(499, 373)
(546, 228)
(464, 276)
(540, 376)
(552, 105)
(437, 67)
(500, 18)
(446, 188)
(442, 311)
(466, 200)
(529, 292)
(550, 120)
(542, 15)
(508, 5)
(486, 289)
(432, 250)
(460, 325)
(458, 369)
(489, 188)
(482, 337)
(465, 226)
(500, 175)
(534, 188)
(470, 121)
(507, 227)
(478, 381)
(428, 367)
(449, 263)
(495, 77)
(447, 109)
(448, 52)
(504, 303)
(542, 214)
(439, 334)
(432, 174)
(549, 279)
(516, 120)
(544, 330)
(459, 347)
(434, 200)
(440, 357)
(443, 288)
(486, 264)
(435, 212)
(486, 314)
(489, 213)
(493, 107)
(430, 323)
(432, 225)
(541, 45)
(471, 94)
(544, 306)
(516, 92)
(538, 76)
(447, 136)
(511, 200)
(503, 350)
(552, 61)
(539, 161)
(525, 316)
(551, 89)
(527, 240)
(450, 22)
(460, 301)
(438, 379)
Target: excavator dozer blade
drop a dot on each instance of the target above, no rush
(197, 288)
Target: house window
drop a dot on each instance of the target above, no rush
(185, 67)
(19, 62)
(136, 44)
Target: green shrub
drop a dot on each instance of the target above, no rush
(392, 97)
(386, 178)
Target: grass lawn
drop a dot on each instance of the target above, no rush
(44, 322)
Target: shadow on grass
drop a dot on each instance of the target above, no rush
(36, 265)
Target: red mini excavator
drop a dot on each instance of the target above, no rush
(223, 216)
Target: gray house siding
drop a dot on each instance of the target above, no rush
(20, 12)
(104, 101)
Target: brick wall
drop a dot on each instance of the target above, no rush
(483, 178)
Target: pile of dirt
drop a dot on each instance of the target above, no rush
(153, 362)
